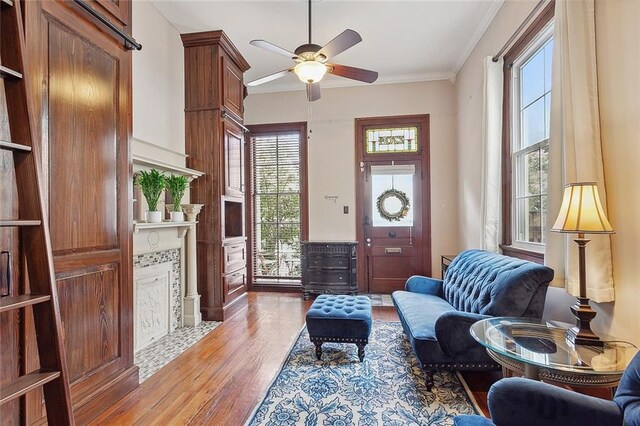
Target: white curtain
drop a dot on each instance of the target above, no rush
(575, 146)
(491, 147)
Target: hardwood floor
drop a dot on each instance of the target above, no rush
(220, 379)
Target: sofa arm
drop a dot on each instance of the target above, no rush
(452, 332)
(526, 402)
(424, 285)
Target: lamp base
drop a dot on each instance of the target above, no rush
(582, 334)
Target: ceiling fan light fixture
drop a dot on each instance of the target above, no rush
(310, 71)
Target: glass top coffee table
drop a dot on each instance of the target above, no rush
(539, 350)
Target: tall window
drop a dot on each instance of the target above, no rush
(527, 112)
(278, 202)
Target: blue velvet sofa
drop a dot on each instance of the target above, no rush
(524, 402)
(436, 314)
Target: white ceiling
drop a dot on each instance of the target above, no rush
(402, 40)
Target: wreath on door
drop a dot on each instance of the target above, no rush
(383, 204)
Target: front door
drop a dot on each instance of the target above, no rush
(393, 201)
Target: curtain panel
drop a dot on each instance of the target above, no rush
(491, 152)
(575, 146)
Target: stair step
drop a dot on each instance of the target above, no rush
(14, 146)
(8, 223)
(24, 384)
(16, 302)
(7, 2)
(8, 72)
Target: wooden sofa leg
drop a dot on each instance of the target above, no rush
(428, 375)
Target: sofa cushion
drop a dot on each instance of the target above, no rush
(419, 313)
(491, 284)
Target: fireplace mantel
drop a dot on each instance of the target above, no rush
(182, 227)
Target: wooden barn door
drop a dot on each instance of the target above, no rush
(81, 77)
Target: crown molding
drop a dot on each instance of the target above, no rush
(485, 21)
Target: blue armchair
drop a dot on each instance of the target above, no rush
(436, 314)
(525, 402)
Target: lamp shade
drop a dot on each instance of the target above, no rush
(310, 71)
(581, 211)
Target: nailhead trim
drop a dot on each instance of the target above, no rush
(338, 340)
(453, 366)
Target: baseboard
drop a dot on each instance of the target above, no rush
(226, 311)
(277, 288)
(104, 397)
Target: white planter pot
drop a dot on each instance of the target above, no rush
(153, 217)
(177, 217)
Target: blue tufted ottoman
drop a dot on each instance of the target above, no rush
(339, 318)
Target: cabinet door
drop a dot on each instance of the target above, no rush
(233, 159)
(232, 87)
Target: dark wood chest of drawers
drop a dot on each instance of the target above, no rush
(328, 268)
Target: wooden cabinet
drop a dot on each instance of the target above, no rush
(328, 268)
(80, 87)
(215, 145)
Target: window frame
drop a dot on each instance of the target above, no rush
(275, 129)
(536, 32)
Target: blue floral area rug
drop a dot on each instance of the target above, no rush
(387, 389)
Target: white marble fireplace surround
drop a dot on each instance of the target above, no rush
(159, 284)
(157, 295)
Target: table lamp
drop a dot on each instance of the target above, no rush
(582, 213)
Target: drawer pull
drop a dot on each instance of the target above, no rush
(396, 250)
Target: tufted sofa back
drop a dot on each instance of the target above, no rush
(492, 284)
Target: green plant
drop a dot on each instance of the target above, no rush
(176, 185)
(152, 183)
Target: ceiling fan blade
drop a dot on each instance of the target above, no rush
(268, 78)
(313, 91)
(353, 73)
(273, 48)
(342, 42)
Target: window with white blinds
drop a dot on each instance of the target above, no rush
(276, 206)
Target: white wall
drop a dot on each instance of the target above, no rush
(331, 151)
(619, 67)
(468, 92)
(158, 85)
(618, 52)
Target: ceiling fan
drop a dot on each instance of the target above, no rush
(312, 62)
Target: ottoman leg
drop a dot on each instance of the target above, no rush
(318, 350)
(361, 350)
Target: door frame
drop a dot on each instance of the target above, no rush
(422, 122)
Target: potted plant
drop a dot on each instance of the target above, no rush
(152, 183)
(176, 185)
